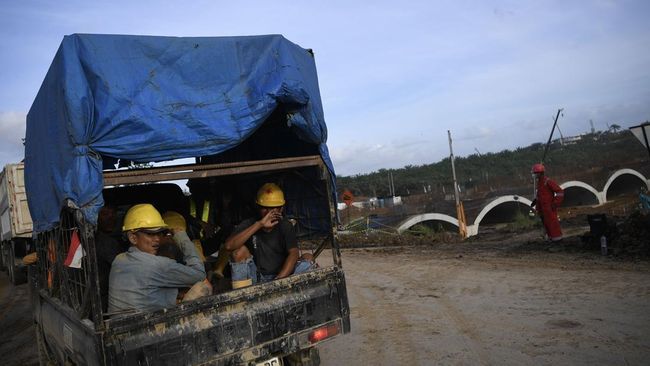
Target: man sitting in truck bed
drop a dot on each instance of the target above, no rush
(267, 244)
(139, 279)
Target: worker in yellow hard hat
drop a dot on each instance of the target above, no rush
(265, 247)
(169, 248)
(176, 220)
(141, 280)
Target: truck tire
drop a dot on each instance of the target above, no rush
(17, 274)
(3, 265)
(305, 357)
(10, 265)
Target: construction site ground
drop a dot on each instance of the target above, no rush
(503, 298)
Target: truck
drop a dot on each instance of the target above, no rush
(15, 223)
(121, 120)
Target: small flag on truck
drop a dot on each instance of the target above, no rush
(75, 252)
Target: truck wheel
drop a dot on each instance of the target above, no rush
(16, 275)
(3, 261)
(44, 358)
(305, 357)
(3, 266)
(10, 265)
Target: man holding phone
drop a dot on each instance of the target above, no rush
(265, 248)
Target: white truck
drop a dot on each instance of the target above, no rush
(15, 223)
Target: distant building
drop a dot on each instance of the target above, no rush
(374, 202)
(572, 139)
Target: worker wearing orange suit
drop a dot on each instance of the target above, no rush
(548, 198)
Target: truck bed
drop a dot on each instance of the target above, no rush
(271, 319)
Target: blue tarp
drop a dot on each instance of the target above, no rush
(150, 99)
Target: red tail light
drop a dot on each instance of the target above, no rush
(324, 332)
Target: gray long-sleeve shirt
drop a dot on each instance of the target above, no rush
(145, 282)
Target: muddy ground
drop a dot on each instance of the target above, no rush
(496, 300)
(417, 307)
(504, 298)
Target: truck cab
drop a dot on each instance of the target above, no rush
(247, 111)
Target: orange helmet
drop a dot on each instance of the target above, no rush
(537, 168)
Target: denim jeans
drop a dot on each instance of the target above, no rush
(303, 266)
(247, 269)
(244, 270)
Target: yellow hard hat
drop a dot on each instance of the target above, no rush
(143, 216)
(174, 220)
(270, 195)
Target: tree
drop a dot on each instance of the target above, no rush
(614, 128)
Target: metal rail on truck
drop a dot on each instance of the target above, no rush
(177, 172)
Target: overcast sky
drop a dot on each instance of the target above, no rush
(394, 75)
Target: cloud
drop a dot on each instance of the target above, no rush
(393, 79)
(362, 157)
(12, 131)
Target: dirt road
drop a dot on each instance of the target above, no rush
(487, 306)
(460, 304)
(17, 346)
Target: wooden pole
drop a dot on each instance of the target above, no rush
(460, 212)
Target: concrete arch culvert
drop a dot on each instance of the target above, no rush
(624, 181)
(577, 193)
(414, 220)
(515, 202)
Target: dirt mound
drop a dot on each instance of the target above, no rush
(632, 236)
(628, 238)
(379, 239)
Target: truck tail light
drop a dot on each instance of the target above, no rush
(324, 332)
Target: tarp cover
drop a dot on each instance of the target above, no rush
(150, 99)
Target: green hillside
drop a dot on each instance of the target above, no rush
(591, 159)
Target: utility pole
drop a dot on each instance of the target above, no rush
(460, 211)
(548, 143)
(390, 190)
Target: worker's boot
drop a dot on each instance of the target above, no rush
(200, 289)
(241, 283)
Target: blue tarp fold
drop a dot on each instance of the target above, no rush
(150, 99)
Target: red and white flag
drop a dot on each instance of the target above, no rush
(75, 253)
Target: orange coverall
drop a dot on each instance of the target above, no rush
(549, 197)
